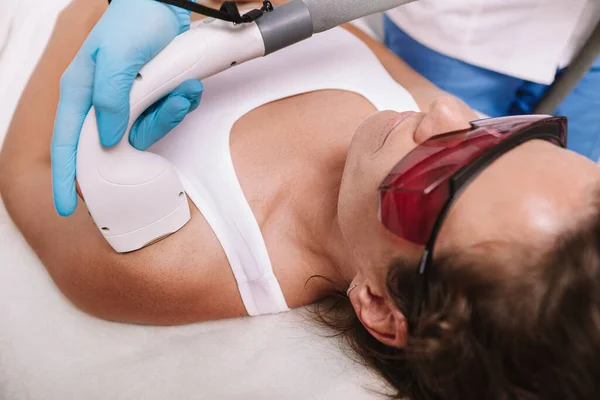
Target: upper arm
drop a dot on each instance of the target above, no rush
(184, 278)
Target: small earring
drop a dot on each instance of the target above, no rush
(351, 288)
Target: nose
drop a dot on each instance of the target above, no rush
(446, 114)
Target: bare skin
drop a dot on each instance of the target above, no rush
(325, 223)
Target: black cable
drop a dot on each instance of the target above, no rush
(228, 12)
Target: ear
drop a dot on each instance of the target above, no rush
(380, 316)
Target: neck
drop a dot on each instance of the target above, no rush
(342, 257)
(323, 235)
(345, 255)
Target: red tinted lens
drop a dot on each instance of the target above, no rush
(417, 189)
(411, 200)
(411, 215)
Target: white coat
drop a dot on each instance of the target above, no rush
(527, 39)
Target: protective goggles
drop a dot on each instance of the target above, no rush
(416, 196)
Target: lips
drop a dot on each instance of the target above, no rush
(394, 123)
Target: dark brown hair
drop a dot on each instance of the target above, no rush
(493, 330)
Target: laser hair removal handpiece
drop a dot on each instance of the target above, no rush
(136, 198)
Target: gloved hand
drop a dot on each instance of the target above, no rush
(160, 118)
(129, 34)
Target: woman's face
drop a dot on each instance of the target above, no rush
(527, 196)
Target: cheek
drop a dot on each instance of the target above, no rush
(364, 170)
(377, 146)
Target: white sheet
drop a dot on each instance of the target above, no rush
(49, 350)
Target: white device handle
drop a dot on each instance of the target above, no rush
(134, 197)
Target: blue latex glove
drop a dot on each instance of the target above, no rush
(129, 34)
(166, 114)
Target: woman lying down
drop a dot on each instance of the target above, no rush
(462, 265)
